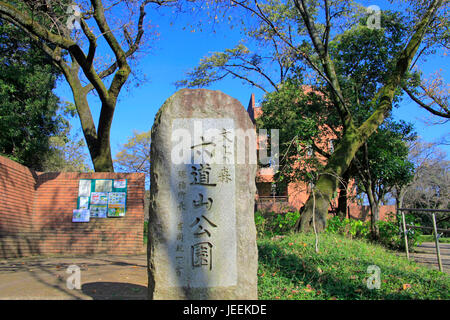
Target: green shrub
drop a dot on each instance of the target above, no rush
(390, 232)
(348, 227)
(260, 223)
(271, 223)
(391, 235)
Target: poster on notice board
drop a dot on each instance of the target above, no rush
(116, 204)
(81, 215)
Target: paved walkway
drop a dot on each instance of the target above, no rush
(102, 277)
(426, 254)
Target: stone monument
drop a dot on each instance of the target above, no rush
(202, 235)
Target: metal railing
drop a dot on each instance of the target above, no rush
(273, 199)
(434, 228)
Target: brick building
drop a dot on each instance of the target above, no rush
(269, 198)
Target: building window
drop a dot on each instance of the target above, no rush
(331, 146)
(309, 150)
(273, 189)
(269, 189)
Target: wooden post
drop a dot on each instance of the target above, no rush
(436, 239)
(405, 235)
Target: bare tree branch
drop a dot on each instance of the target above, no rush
(445, 113)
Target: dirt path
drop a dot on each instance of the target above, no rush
(102, 277)
(426, 254)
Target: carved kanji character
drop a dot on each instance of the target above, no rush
(201, 203)
(226, 153)
(201, 230)
(201, 147)
(201, 175)
(224, 175)
(202, 255)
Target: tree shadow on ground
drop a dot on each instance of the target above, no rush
(114, 291)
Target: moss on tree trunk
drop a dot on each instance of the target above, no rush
(103, 161)
(353, 138)
(328, 182)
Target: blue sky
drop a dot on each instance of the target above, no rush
(178, 50)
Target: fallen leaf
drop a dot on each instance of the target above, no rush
(309, 288)
(406, 286)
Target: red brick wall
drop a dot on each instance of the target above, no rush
(363, 212)
(38, 220)
(16, 196)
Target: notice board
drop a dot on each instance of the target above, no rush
(103, 198)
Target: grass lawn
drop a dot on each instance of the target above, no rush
(289, 268)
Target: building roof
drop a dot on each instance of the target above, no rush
(253, 110)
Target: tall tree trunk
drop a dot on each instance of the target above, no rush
(328, 181)
(343, 196)
(374, 218)
(374, 212)
(102, 159)
(400, 196)
(98, 141)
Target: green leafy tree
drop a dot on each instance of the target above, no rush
(28, 107)
(67, 152)
(308, 121)
(382, 164)
(301, 35)
(70, 35)
(305, 122)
